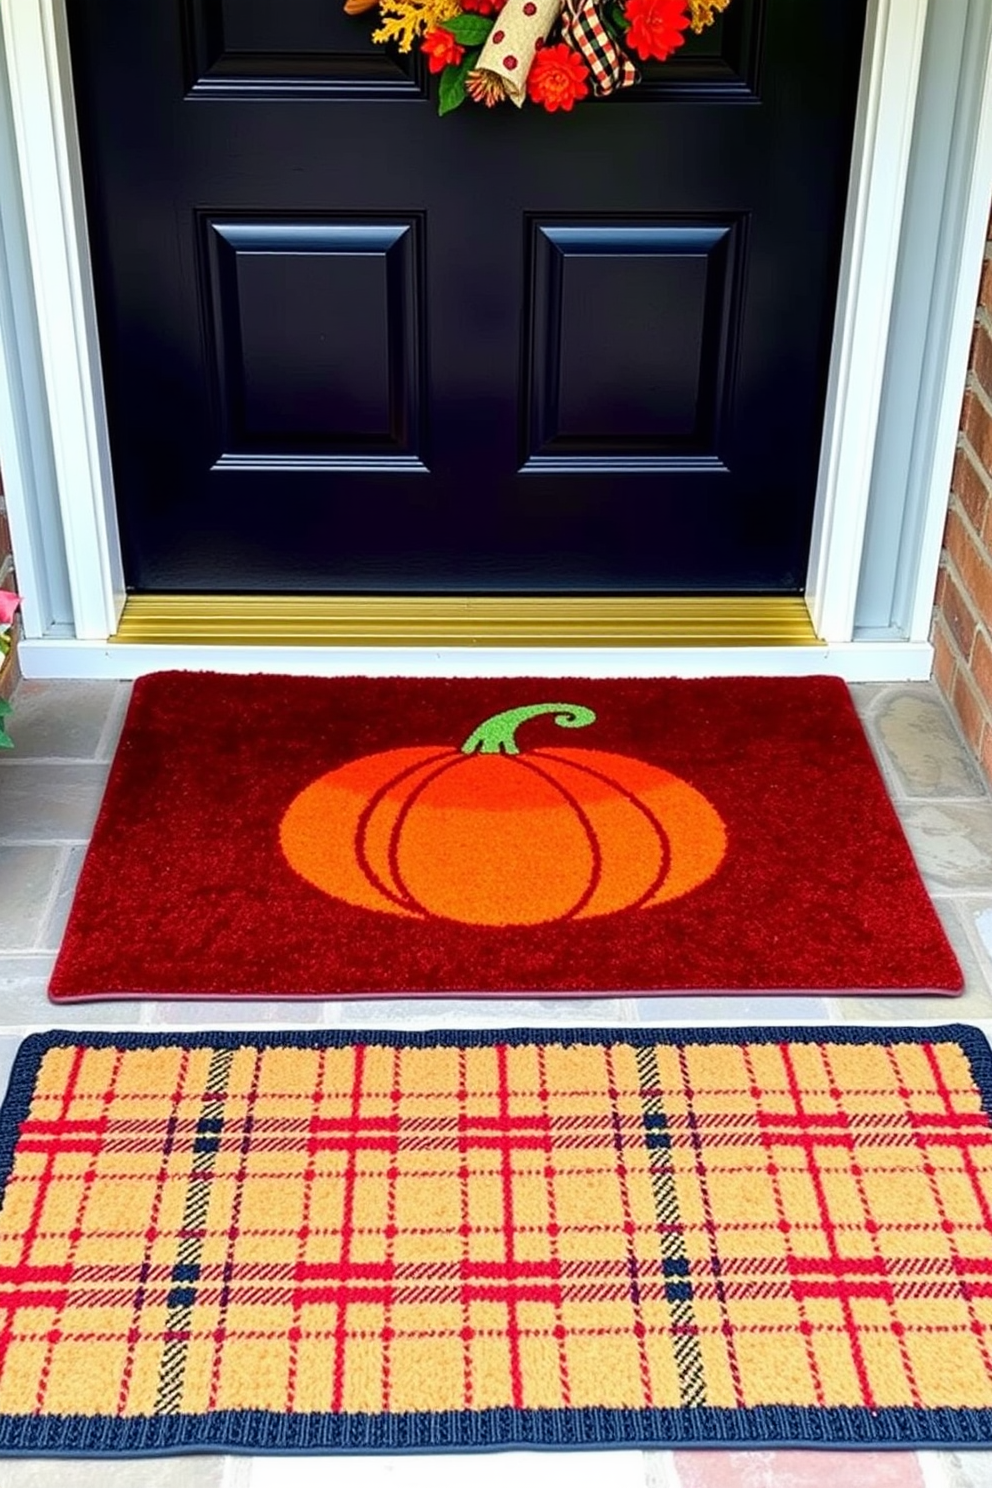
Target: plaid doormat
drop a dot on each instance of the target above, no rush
(375, 1242)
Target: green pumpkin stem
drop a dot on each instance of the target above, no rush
(498, 734)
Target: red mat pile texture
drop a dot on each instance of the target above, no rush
(290, 836)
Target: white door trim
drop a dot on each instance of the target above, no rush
(50, 205)
(47, 144)
(961, 251)
(855, 661)
(883, 135)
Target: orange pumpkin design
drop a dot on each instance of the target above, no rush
(486, 835)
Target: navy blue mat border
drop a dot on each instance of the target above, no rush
(271, 1432)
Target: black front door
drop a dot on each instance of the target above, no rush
(350, 346)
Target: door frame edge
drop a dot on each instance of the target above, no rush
(880, 161)
(50, 218)
(67, 405)
(965, 220)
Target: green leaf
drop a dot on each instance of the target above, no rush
(6, 742)
(451, 93)
(619, 19)
(5, 708)
(467, 29)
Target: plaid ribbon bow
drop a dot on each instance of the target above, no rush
(583, 29)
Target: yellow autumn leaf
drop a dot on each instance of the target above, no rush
(403, 21)
(703, 13)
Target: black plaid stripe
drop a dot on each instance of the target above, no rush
(583, 29)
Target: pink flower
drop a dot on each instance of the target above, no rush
(8, 606)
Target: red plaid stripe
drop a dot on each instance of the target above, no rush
(583, 29)
(361, 1229)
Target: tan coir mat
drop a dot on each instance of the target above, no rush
(362, 1242)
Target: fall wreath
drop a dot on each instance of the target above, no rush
(553, 52)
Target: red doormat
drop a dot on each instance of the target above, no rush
(296, 836)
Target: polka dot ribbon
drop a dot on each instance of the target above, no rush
(521, 29)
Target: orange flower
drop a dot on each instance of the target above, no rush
(557, 77)
(442, 49)
(656, 27)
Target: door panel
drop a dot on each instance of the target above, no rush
(352, 347)
(630, 340)
(315, 331)
(239, 49)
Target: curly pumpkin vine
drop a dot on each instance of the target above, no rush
(492, 834)
(553, 52)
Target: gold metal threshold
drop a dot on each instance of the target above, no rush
(455, 620)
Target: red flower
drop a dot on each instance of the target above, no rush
(484, 7)
(656, 27)
(557, 77)
(442, 49)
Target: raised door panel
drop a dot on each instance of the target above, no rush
(315, 330)
(633, 342)
(239, 49)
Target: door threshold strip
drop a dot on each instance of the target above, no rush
(458, 620)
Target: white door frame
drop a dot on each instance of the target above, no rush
(54, 446)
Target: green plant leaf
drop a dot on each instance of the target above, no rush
(6, 742)
(451, 92)
(467, 29)
(5, 708)
(619, 19)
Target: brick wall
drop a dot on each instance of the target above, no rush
(962, 630)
